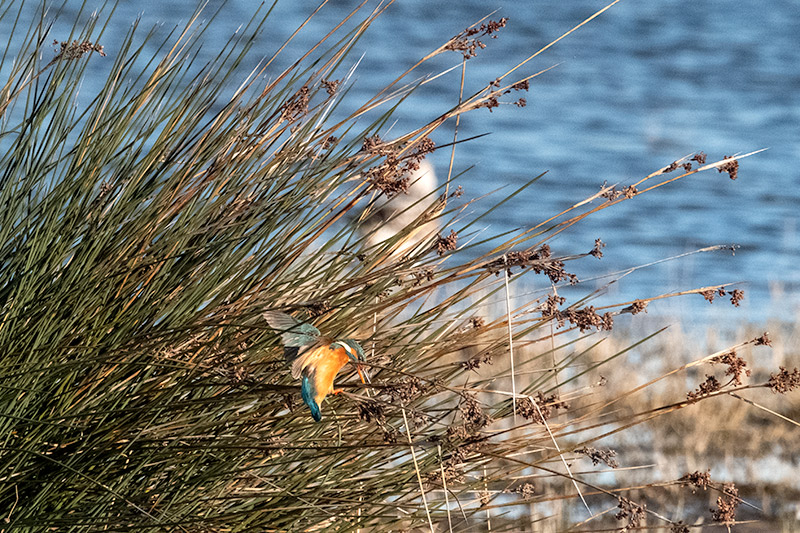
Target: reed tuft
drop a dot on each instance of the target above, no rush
(147, 228)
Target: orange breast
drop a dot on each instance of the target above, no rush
(326, 370)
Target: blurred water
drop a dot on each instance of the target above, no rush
(644, 84)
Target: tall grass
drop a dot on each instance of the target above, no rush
(144, 233)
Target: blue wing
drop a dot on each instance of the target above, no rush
(294, 334)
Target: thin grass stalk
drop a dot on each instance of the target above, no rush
(444, 488)
(510, 342)
(455, 130)
(416, 469)
(561, 455)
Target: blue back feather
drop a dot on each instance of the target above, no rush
(294, 334)
(309, 391)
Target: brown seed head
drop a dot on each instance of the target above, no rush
(710, 385)
(475, 362)
(407, 389)
(521, 86)
(296, 106)
(732, 167)
(726, 505)
(547, 405)
(611, 194)
(784, 381)
(477, 322)
(736, 366)
(708, 295)
(630, 511)
(597, 251)
(473, 415)
(76, 50)
(764, 340)
(331, 86)
(679, 527)
(670, 168)
(600, 456)
(550, 308)
(636, 307)
(526, 490)
(369, 411)
(697, 479)
(445, 244)
(737, 296)
(466, 42)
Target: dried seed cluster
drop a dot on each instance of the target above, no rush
(331, 86)
(328, 142)
(674, 165)
(392, 175)
(526, 490)
(710, 385)
(468, 43)
(736, 366)
(76, 49)
(736, 295)
(763, 340)
(696, 479)
(539, 260)
(547, 405)
(732, 167)
(631, 512)
(638, 306)
(550, 307)
(494, 100)
(422, 275)
(585, 318)
(446, 244)
(726, 504)
(474, 417)
(369, 411)
(406, 390)
(296, 106)
(612, 194)
(784, 381)
(475, 362)
(600, 456)
(597, 251)
(477, 322)
(700, 157)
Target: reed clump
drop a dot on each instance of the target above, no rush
(144, 234)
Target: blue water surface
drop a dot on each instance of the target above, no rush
(638, 87)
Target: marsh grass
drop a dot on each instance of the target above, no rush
(743, 437)
(144, 234)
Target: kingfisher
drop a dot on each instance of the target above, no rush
(315, 359)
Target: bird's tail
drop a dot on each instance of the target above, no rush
(307, 389)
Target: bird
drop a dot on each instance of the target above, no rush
(388, 217)
(315, 359)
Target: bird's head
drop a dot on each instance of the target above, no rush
(356, 354)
